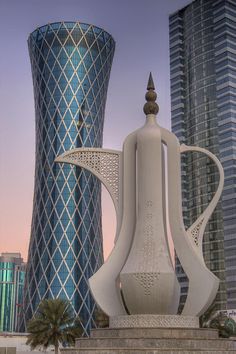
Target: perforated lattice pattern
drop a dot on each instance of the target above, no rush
(105, 163)
(195, 232)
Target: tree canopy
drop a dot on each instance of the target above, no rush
(53, 324)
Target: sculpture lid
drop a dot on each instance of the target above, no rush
(151, 107)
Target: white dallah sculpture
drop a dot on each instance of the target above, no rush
(140, 264)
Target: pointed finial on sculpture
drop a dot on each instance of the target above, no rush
(151, 107)
(150, 85)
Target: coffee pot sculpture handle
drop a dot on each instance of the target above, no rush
(196, 230)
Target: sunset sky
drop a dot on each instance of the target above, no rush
(140, 29)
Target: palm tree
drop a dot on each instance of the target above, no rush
(53, 324)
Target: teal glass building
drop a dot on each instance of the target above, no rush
(71, 65)
(203, 113)
(12, 276)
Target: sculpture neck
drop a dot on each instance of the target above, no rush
(151, 119)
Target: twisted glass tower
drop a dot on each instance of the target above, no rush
(71, 64)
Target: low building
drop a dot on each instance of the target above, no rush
(16, 343)
(12, 275)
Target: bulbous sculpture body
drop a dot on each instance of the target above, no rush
(148, 279)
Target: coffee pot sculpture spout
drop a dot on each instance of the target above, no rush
(139, 275)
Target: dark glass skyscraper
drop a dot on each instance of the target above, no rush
(71, 64)
(203, 104)
(12, 276)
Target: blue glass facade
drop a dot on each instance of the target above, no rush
(12, 276)
(71, 65)
(203, 102)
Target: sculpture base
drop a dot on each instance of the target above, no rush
(152, 341)
(153, 321)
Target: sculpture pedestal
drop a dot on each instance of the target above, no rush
(153, 341)
(153, 321)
